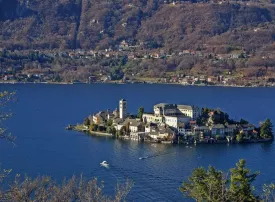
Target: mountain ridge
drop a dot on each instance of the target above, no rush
(218, 36)
(88, 24)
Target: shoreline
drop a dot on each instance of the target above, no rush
(104, 134)
(78, 128)
(118, 83)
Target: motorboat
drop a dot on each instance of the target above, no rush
(104, 164)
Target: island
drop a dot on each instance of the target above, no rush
(175, 124)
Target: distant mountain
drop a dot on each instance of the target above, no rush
(86, 24)
(240, 29)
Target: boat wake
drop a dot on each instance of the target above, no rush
(155, 155)
(104, 164)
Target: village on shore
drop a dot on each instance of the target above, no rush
(175, 124)
(17, 74)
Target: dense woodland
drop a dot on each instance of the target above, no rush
(215, 28)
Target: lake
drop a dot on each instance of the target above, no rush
(44, 147)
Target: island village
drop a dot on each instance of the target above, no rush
(174, 123)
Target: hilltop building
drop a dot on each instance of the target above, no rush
(164, 109)
(176, 116)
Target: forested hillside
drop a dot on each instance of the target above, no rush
(88, 24)
(221, 29)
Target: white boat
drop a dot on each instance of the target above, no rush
(104, 164)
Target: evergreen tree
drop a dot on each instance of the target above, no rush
(214, 186)
(93, 127)
(140, 112)
(266, 129)
(111, 130)
(239, 137)
(205, 185)
(110, 122)
(242, 121)
(241, 179)
(87, 122)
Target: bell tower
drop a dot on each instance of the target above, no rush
(122, 109)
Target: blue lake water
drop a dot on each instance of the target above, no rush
(43, 147)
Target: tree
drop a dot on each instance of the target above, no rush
(242, 121)
(202, 120)
(205, 185)
(122, 130)
(73, 189)
(118, 133)
(140, 112)
(266, 129)
(109, 122)
(93, 127)
(268, 192)
(241, 179)
(101, 128)
(127, 127)
(87, 122)
(125, 130)
(214, 186)
(111, 130)
(5, 98)
(46, 189)
(116, 73)
(239, 137)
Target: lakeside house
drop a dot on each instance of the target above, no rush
(217, 129)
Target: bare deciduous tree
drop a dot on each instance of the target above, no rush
(5, 98)
(73, 189)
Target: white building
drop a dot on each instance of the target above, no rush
(151, 118)
(176, 116)
(175, 121)
(190, 111)
(164, 109)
